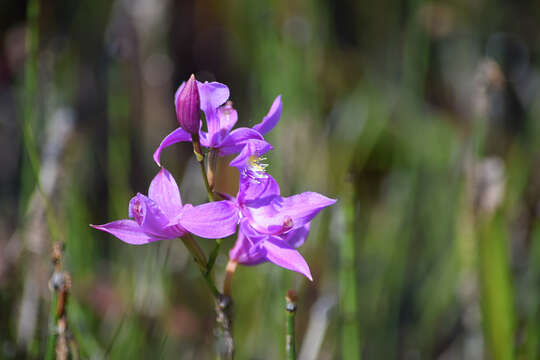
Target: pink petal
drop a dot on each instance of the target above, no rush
(126, 230)
(227, 117)
(174, 137)
(276, 215)
(237, 139)
(282, 254)
(164, 191)
(303, 207)
(212, 96)
(272, 118)
(212, 220)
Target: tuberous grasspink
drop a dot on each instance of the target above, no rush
(269, 227)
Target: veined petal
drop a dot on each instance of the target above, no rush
(164, 191)
(303, 207)
(174, 137)
(277, 215)
(211, 220)
(126, 230)
(175, 220)
(272, 118)
(237, 140)
(284, 255)
(266, 218)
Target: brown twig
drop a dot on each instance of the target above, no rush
(60, 283)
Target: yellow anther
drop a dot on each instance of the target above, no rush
(256, 166)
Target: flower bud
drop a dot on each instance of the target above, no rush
(188, 105)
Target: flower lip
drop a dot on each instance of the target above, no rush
(255, 168)
(250, 161)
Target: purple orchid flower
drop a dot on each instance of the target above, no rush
(161, 216)
(272, 226)
(221, 118)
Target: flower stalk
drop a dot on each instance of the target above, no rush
(290, 308)
(195, 251)
(199, 155)
(223, 302)
(213, 256)
(229, 272)
(212, 167)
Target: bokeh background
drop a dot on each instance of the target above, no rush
(420, 117)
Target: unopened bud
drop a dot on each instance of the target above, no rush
(188, 105)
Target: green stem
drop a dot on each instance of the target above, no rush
(200, 259)
(195, 251)
(213, 256)
(200, 159)
(290, 309)
(224, 305)
(211, 285)
(211, 167)
(206, 183)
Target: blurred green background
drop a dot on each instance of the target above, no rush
(420, 117)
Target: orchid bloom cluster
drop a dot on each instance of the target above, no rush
(270, 227)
